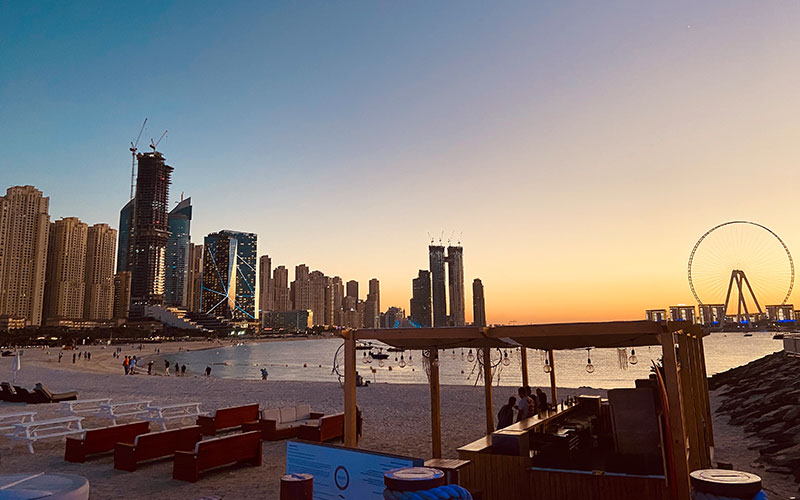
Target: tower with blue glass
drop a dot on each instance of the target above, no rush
(177, 258)
(229, 275)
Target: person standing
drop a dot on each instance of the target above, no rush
(133, 365)
(166, 368)
(126, 364)
(505, 416)
(183, 370)
(60, 355)
(177, 370)
(524, 405)
(150, 367)
(73, 358)
(208, 371)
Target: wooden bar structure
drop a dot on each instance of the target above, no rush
(687, 410)
(523, 355)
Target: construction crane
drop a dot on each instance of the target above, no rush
(154, 146)
(133, 157)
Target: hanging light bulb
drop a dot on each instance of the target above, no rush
(547, 367)
(381, 363)
(435, 361)
(462, 355)
(369, 359)
(410, 361)
(454, 354)
(506, 361)
(395, 358)
(402, 363)
(470, 356)
(364, 359)
(589, 365)
(633, 359)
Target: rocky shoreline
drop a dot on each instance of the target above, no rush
(763, 398)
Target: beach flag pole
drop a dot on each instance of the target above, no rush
(16, 367)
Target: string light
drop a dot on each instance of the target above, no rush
(381, 363)
(547, 367)
(364, 359)
(506, 361)
(470, 356)
(589, 365)
(410, 361)
(633, 359)
(402, 363)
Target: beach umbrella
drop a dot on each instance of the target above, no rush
(16, 367)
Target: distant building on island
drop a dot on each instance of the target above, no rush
(712, 315)
(781, 313)
(682, 312)
(656, 314)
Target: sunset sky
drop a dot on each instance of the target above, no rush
(577, 149)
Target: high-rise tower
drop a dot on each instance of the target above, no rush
(437, 260)
(194, 283)
(177, 259)
(98, 301)
(125, 236)
(280, 284)
(455, 274)
(66, 268)
(421, 299)
(150, 232)
(232, 257)
(478, 304)
(265, 289)
(24, 232)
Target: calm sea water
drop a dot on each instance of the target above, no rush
(312, 360)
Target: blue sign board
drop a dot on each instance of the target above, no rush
(343, 473)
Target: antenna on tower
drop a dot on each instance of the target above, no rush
(430, 237)
(133, 156)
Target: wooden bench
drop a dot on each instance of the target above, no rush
(228, 418)
(154, 445)
(329, 427)
(283, 423)
(8, 420)
(217, 452)
(165, 413)
(30, 432)
(115, 411)
(102, 440)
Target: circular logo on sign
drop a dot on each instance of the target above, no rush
(341, 477)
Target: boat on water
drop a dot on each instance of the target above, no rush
(379, 355)
(364, 346)
(777, 336)
(748, 334)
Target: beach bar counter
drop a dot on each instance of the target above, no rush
(638, 443)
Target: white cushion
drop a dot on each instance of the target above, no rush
(288, 414)
(303, 412)
(271, 414)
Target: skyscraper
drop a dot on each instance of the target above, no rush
(372, 306)
(455, 274)
(229, 275)
(177, 260)
(437, 259)
(352, 288)
(318, 285)
(219, 275)
(301, 288)
(421, 299)
(478, 303)
(265, 290)
(66, 269)
(150, 232)
(337, 300)
(98, 300)
(125, 236)
(122, 294)
(194, 283)
(280, 285)
(24, 233)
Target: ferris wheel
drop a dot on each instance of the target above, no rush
(741, 262)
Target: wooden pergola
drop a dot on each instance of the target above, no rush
(684, 371)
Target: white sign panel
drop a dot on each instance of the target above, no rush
(343, 473)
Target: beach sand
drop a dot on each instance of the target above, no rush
(396, 420)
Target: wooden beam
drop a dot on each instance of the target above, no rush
(688, 399)
(677, 435)
(553, 390)
(487, 390)
(350, 429)
(704, 378)
(524, 356)
(436, 418)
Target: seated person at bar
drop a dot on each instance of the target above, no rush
(505, 416)
(533, 410)
(525, 405)
(542, 399)
(360, 382)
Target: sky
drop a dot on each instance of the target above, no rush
(577, 150)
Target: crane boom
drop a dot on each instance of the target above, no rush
(133, 150)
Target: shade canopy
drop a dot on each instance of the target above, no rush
(554, 336)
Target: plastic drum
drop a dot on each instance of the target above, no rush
(413, 479)
(726, 483)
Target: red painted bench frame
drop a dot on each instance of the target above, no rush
(216, 452)
(102, 440)
(155, 445)
(330, 427)
(228, 418)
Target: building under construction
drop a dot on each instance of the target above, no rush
(150, 232)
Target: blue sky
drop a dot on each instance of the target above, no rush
(549, 135)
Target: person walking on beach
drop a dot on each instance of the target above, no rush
(150, 367)
(183, 370)
(208, 371)
(73, 358)
(166, 368)
(505, 416)
(177, 370)
(60, 355)
(126, 363)
(264, 374)
(133, 365)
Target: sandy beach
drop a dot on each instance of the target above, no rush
(396, 420)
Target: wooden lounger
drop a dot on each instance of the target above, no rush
(217, 452)
(330, 427)
(102, 440)
(228, 418)
(154, 445)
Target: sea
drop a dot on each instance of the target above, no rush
(319, 359)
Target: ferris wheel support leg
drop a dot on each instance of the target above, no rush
(747, 282)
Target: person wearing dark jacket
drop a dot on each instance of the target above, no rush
(505, 416)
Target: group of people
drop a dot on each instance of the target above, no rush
(76, 356)
(129, 365)
(528, 405)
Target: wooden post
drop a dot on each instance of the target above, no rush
(436, 418)
(524, 356)
(688, 400)
(487, 390)
(678, 434)
(553, 390)
(350, 430)
(704, 378)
